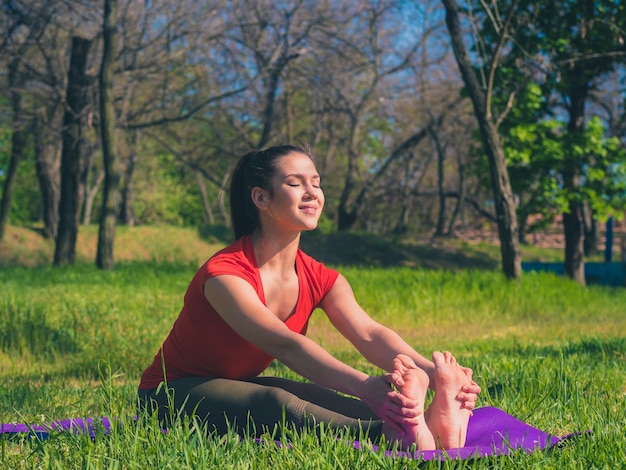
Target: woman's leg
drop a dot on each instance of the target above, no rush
(321, 396)
(260, 404)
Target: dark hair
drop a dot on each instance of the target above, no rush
(254, 169)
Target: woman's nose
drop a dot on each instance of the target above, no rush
(311, 192)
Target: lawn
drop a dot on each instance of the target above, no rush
(74, 340)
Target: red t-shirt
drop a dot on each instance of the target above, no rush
(201, 344)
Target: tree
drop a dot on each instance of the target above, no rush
(18, 142)
(488, 126)
(71, 156)
(275, 35)
(537, 148)
(595, 44)
(369, 85)
(47, 158)
(361, 75)
(15, 46)
(110, 200)
(176, 79)
(38, 34)
(569, 47)
(127, 214)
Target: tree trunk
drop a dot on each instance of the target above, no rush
(574, 265)
(504, 203)
(208, 212)
(127, 214)
(270, 101)
(402, 226)
(523, 228)
(501, 186)
(408, 192)
(573, 228)
(88, 191)
(573, 225)
(90, 196)
(346, 217)
(460, 201)
(441, 157)
(111, 196)
(18, 143)
(220, 200)
(403, 221)
(72, 138)
(47, 167)
(590, 231)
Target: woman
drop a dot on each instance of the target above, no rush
(250, 304)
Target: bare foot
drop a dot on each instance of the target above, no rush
(446, 418)
(412, 382)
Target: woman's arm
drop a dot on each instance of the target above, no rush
(376, 342)
(238, 304)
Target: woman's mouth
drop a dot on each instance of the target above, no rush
(309, 209)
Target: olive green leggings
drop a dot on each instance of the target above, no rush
(254, 406)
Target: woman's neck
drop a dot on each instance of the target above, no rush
(275, 250)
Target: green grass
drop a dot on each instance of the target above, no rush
(74, 341)
(24, 246)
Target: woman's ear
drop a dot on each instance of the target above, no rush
(259, 198)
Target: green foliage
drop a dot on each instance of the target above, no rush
(540, 150)
(164, 193)
(325, 225)
(557, 49)
(601, 161)
(26, 200)
(373, 148)
(571, 29)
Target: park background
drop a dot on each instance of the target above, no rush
(454, 142)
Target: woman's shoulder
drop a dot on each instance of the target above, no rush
(316, 269)
(232, 260)
(234, 255)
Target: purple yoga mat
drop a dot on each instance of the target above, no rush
(490, 432)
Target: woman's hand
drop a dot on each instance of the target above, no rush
(469, 393)
(389, 405)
